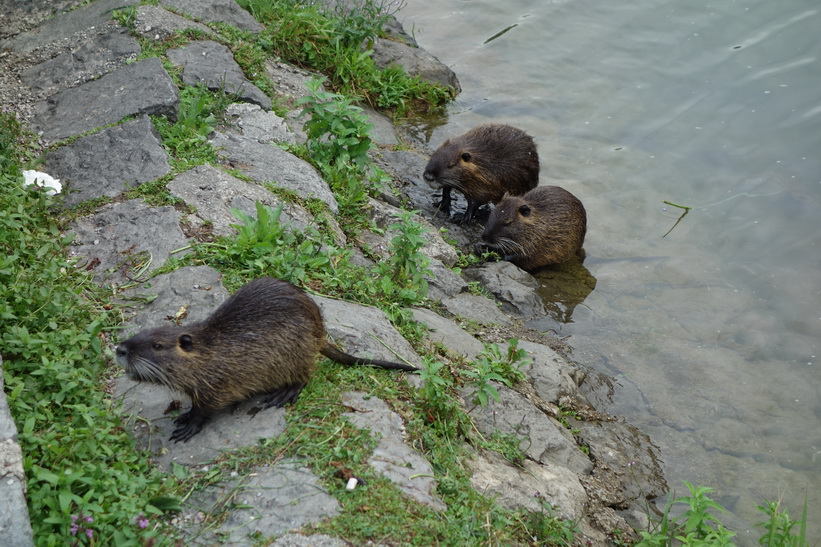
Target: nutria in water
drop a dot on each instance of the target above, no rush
(263, 340)
(545, 226)
(484, 164)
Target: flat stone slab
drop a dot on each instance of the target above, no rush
(152, 422)
(211, 64)
(125, 240)
(95, 57)
(269, 163)
(68, 26)
(253, 122)
(158, 24)
(268, 501)
(109, 162)
(216, 11)
(214, 193)
(393, 458)
(143, 87)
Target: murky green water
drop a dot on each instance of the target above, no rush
(713, 331)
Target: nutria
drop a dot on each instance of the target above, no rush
(262, 340)
(543, 227)
(483, 164)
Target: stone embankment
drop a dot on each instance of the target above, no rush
(74, 76)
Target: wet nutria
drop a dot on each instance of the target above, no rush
(484, 164)
(545, 226)
(262, 340)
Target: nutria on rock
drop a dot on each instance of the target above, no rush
(545, 226)
(483, 164)
(262, 340)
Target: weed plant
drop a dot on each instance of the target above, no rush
(330, 41)
(699, 524)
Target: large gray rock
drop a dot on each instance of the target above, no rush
(109, 162)
(123, 241)
(95, 57)
(253, 122)
(269, 163)
(267, 501)
(212, 65)
(630, 454)
(216, 11)
(551, 375)
(67, 27)
(512, 286)
(415, 61)
(364, 331)
(151, 422)
(443, 282)
(214, 193)
(526, 487)
(15, 529)
(143, 87)
(477, 308)
(392, 457)
(543, 439)
(183, 296)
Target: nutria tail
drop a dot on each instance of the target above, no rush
(332, 352)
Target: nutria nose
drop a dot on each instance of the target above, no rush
(429, 176)
(121, 351)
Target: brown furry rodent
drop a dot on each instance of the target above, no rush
(484, 164)
(545, 226)
(263, 339)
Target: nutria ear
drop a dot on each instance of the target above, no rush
(524, 210)
(186, 342)
(465, 156)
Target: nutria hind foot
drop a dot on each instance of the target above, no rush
(188, 424)
(278, 398)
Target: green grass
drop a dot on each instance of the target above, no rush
(79, 461)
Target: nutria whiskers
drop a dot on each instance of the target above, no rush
(545, 226)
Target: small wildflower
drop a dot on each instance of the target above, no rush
(74, 529)
(89, 533)
(141, 521)
(89, 519)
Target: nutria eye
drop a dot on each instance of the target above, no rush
(524, 210)
(465, 156)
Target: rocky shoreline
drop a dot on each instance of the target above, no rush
(70, 75)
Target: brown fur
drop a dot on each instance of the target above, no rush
(484, 164)
(545, 226)
(263, 340)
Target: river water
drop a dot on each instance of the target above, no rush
(713, 330)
